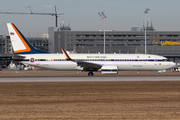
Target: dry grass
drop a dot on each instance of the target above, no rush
(90, 100)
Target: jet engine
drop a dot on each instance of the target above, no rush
(109, 69)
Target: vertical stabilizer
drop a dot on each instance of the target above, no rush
(20, 44)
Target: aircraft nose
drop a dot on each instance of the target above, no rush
(173, 64)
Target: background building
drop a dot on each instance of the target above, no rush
(116, 41)
(166, 43)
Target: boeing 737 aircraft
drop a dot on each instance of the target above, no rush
(105, 63)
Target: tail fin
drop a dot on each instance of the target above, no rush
(20, 44)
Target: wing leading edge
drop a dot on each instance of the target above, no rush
(88, 66)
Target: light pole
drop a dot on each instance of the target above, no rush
(145, 12)
(103, 16)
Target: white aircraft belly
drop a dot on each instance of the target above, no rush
(141, 65)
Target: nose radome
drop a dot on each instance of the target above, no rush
(173, 64)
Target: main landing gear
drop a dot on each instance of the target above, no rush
(158, 74)
(90, 74)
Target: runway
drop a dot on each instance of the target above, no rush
(90, 79)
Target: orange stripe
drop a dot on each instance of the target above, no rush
(65, 54)
(25, 44)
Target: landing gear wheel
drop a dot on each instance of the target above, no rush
(90, 74)
(158, 74)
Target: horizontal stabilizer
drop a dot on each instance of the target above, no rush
(16, 57)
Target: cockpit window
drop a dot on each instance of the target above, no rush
(166, 60)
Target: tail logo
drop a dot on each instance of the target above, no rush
(11, 33)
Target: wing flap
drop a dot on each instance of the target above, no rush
(89, 65)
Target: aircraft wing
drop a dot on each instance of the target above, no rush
(86, 65)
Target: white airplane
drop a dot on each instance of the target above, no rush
(105, 63)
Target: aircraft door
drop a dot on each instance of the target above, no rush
(155, 61)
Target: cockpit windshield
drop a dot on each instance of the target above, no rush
(166, 60)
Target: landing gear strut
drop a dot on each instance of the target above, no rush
(90, 74)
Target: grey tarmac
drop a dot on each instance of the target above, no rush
(90, 79)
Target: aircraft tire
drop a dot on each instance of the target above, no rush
(158, 74)
(90, 74)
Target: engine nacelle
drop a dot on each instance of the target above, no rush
(109, 69)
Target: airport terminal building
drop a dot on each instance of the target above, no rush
(165, 43)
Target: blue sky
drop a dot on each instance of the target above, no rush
(83, 15)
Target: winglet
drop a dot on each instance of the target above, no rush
(67, 56)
